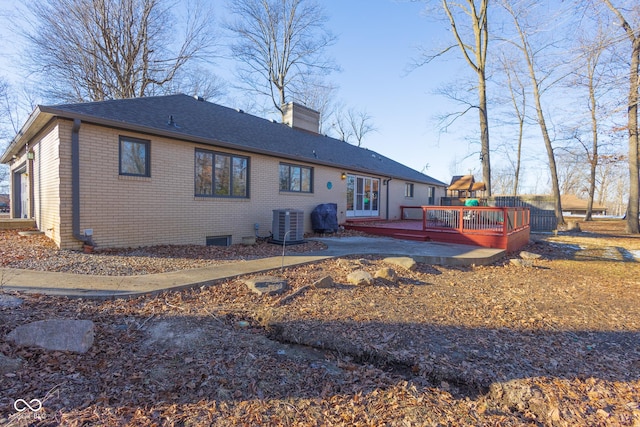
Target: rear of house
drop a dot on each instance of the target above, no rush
(179, 170)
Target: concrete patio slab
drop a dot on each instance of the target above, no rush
(91, 286)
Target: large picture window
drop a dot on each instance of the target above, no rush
(135, 157)
(221, 175)
(296, 178)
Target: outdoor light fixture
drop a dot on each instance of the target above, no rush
(343, 176)
(30, 155)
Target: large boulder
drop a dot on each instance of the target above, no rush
(10, 301)
(405, 262)
(529, 255)
(9, 365)
(55, 334)
(521, 262)
(324, 282)
(266, 285)
(360, 278)
(386, 273)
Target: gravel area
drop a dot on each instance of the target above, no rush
(37, 252)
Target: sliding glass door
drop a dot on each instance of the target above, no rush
(362, 196)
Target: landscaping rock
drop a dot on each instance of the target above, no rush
(521, 262)
(386, 273)
(55, 334)
(266, 285)
(10, 301)
(177, 334)
(529, 255)
(519, 396)
(324, 282)
(360, 278)
(573, 226)
(9, 365)
(405, 262)
(347, 263)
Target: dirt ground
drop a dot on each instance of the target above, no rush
(553, 344)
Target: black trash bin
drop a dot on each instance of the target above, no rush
(324, 218)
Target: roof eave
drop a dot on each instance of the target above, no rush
(35, 122)
(43, 114)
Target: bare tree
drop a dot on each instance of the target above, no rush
(92, 50)
(592, 51)
(3, 110)
(572, 176)
(536, 78)
(281, 44)
(353, 125)
(503, 180)
(613, 182)
(319, 95)
(518, 99)
(197, 81)
(632, 32)
(474, 51)
(4, 133)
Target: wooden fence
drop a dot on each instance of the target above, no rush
(543, 217)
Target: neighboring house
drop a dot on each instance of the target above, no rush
(572, 205)
(463, 187)
(4, 203)
(180, 170)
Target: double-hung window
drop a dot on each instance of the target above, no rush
(296, 178)
(408, 190)
(135, 157)
(221, 175)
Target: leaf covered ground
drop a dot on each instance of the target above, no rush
(554, 344)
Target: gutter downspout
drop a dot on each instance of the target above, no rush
(386, 182)
(75, 183)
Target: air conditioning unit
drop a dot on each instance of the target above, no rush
(288, 226)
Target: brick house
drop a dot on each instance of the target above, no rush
(180, 170)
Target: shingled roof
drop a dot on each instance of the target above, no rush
(461, 183)
(187, 118)
(465, 183)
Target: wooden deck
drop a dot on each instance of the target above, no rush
(491, 227)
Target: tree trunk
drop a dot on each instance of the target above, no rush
(632, 111)
(634, 189)
(535, 85)
(594, 155)
(557, 206)
(479, 22)
(484, 131)
(517, 171)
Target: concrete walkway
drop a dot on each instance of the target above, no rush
(89, 286)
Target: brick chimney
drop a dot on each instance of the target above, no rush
(300, 117)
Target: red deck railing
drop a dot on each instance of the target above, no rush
(492, 227)
(471, 219)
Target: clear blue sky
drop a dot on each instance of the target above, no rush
(377, 41)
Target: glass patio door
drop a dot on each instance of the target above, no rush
(362, 196)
